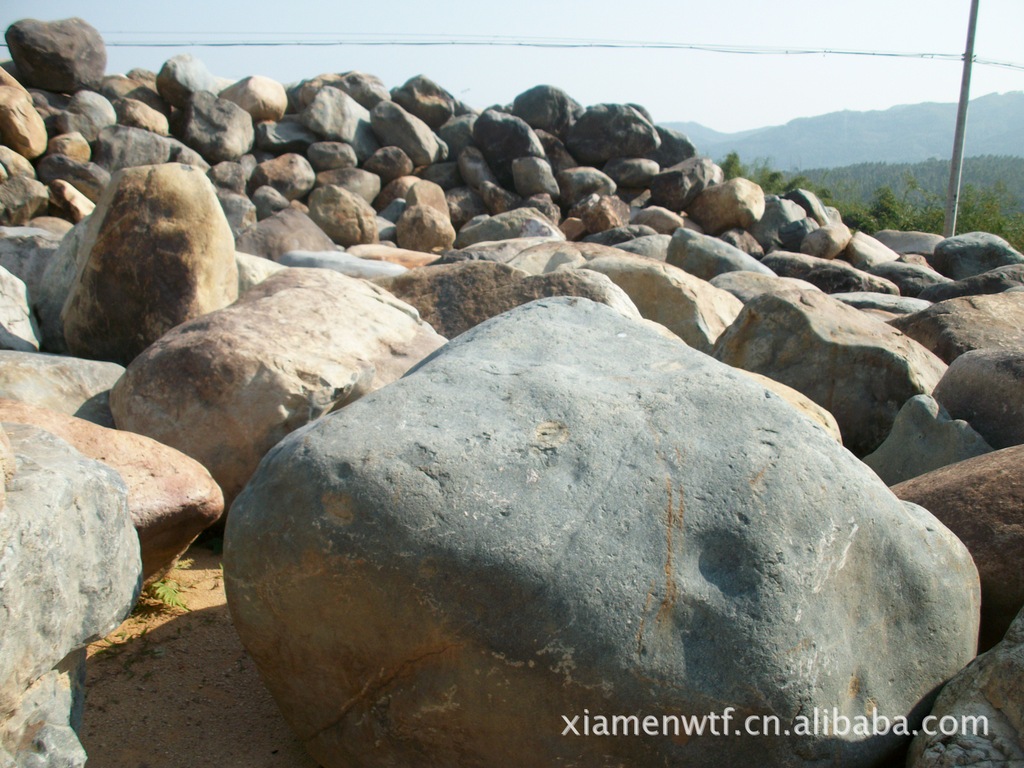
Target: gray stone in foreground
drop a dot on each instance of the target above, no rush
(973, 253)
(72, 573)
(924, 437)
(640, 530)
(64, 384)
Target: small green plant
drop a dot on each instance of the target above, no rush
(166, 591)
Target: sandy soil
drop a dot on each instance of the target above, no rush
(170, 688)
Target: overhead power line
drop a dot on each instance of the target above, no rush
(131, 39)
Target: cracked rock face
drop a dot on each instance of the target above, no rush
(562, 510)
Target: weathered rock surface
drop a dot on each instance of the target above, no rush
(343, 262)
(226, 387)
(171, 498)
(746, 285)
(157, 252)
(691, 308)
(287, 230)
(393, 126)
(707, 257)
(72, 572)
(994, 281)
(734, 203)
(923, 438)
(21, 127)
(982, 501)
(121, 146)
(829, 275)
(951, 328)
(456, 297)
(502, 138)
(912, 279)
(518, 223)
(575, 576)
(856, 367)
(18, 328)
(261, 97)
(606, 131)
(986, 388)
(990, 688)
(63, 384)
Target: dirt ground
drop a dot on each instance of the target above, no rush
(170, 688)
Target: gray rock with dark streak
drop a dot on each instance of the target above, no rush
(502, 138)
(63, 56)
(677, 186)
(912, 279)
(831, 275)
(972, 253)
(120, 146)
(994, 281)
(605, 131)
(641, 530)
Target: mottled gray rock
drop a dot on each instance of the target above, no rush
(973, 253)
(924, 437)
(675, 147)
(389, 163)
(652, 246)
(217, 129)
(811, 204)
(991, 687)
(677, 186)
(64, 384)
(73, 560)
(502, 138)
(393, 126)
(911, 279)
(532, 176)
(18, 328)
(357, 181)
(59, 272)
(290, 174)
(985, 387)
(63, 56)
(865, 252)
(21, 200)
(951, 328)
(830, 275)
(88, 178)
(285, 135)
(267, 201)
(521, 222)
(853, 365)
(25, 253)
(746, 285)
(457, 133)
(328, 155)
(181, 77)
(548, 108)
(707, 257)
(121, 146)
(631, 172)
(778, 213)
(994, 281)
(336, 116)
(87, 113)
(606, 131)
(574, 184)
(603, 551)
(226, 387)
(240, 212)
(619, 235)
(883, 302)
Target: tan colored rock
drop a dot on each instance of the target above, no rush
(456, 297)
(158, 251)
(573, 228)
(865, 252)
(826, 242)
(261, 97)
(227, 387)
(691, 308)
(380, 252)
(171, 497)
(345, 217)
(395, 189)
(425, 228)
(734, 203)
(849, 363)
(71, 202)
(801, 402)
(602, 212)
(253, 270)
(955, 326)
(427, 193)
(14, 164)
(137, 114)
(21, 127)
(661, 220)
(550, 256)
(7, 79)
(73, 145)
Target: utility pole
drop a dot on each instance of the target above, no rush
(956, 165)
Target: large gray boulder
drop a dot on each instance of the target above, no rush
(64, 384)
(606, 131)
(853, 365)
(639, 530)
(287, 230)
(217, 129)
(72, 571)
(955, 326)
(18, 329)
(393, 126)
(503, 138)
(548, 108)
(226, 387)
(122, 146)
(336, 116)
(987, 693)
(986, 388)
(994, 281)
(830, 275)
(707, 257)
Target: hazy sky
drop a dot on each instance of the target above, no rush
(728, 92)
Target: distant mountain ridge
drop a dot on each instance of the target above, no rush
(903, 134)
